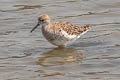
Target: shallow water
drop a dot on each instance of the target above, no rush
(28, 56)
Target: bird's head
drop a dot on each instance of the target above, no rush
(42, 20)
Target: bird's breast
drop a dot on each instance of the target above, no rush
(49, 35)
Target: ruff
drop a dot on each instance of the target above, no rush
(60, 33)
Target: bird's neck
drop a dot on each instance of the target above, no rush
(46, 26)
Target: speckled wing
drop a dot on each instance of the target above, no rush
(69, 28)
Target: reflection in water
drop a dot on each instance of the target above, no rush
(60, 56)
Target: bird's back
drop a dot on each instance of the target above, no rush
(69, 28)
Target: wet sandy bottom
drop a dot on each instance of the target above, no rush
(26, 56)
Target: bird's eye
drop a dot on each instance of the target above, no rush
(42, 20)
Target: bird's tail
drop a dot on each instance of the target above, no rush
(86, 27)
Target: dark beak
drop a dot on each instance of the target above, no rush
(35, 27)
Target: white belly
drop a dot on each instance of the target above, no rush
(56, 39)
(60, 38)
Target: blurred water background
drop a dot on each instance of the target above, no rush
(29, 56)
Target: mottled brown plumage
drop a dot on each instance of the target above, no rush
(60, 33)
(69, 28)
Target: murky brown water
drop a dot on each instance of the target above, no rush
(26, 56)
